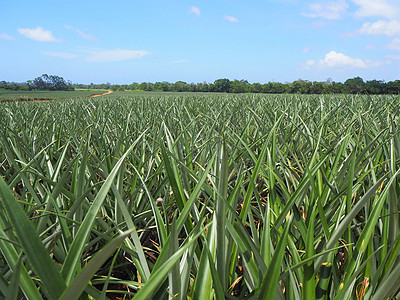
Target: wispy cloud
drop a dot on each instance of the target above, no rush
(381, 27)
(195, 10)
(380, 8)
(38, 34)
(114, 55)
(81, 33)
(393, 57)
(231, 19)
(330, 10)
(65, 55)
(180, 61)
(335, 59)
(5, 36)
(318, 24)
(394, 44)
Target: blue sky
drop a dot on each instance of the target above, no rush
(195, 41)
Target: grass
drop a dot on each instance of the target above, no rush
(7, 96)
(183, 196)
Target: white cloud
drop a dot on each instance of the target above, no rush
(305, 50)
(334, 59)
(115, 55)
(180, 61)
(381, 8)
(38, 34)
(381, 27)
(195, 10)
(231, 19)
(394, 44)
(5, 36)
(330, 10)
(61, 54)
(81, 33)
(318, 24)
(393, 57)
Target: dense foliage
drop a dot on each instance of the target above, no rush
(42, 83)
(51, 83)
(200, 196)
(350, 86)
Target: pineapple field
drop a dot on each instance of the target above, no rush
(200, 196)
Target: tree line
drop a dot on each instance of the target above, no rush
(42, 83)
(351, 86)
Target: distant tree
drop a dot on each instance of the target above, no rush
(375, 87)
(29, 84)
(256, 88)
(204, 87)
(193, 87)
(274, 88)
(393, 87)
(239, 86)
(104, 86)
(161, 86)
(146, 86)
(13, 86)
(300, 86)
(267, 88)
(291, 88)
(354, 85)
(305, 87)
(317, 88)
(52, 83)
(39, 83)
(180, 86)
(222, 85)
(335, 88)
(133, 86)
(114, 87)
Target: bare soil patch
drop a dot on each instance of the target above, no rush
(26, 99)
(98, 95)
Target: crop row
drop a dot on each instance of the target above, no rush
(200, 197)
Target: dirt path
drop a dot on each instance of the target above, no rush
(98, 95)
